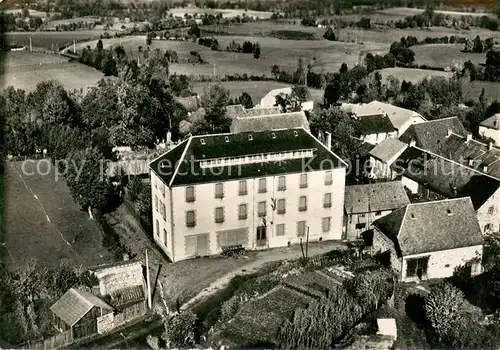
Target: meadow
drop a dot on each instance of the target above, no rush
(412, 75)
(43, 222)
(226, 13)
(49, 40)
(24, 70)
(445, 55)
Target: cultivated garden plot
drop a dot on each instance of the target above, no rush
(43, 221)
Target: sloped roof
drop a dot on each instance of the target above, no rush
(432, 226)
(270, 122)
(258, 111)
(375, 197)
(492, 122)
(445, 177)
(397, 115)
(373, 124)
(234, 111)
(181, 165)
(428, 135)
(75, 304)
(387, 149)
(127, 296)
(191, 103)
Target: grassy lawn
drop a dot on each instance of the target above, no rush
(68, 236)
(24, 70)
(473, 90)
(257, 322)
(445, 55)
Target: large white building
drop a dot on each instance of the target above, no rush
(255, 189)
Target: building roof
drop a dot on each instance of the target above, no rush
(428, 135)
(492, 122)
(127, 296)
(181, 165)
(469, 152)
(191, 103)
(445, 177)
(373, 124)
(234, 111)
(375, 197)
(259, 111)
(397, 115)
(432, 226)
(387, 149)
(75, 304)
(270, 122)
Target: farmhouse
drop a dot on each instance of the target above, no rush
(430, 176)
(401, 118)
(270, 122)
(253, 189)
(382, 156)
(373, 129)
(429, 135)
(429, 240)
(366, 203)
(490, 128)
(269, 100)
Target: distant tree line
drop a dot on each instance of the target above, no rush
(247, 47)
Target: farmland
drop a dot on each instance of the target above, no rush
(226, 13)
(24, 70)
(412, 75)
(445, 55)
(30, 202)
(47, 40)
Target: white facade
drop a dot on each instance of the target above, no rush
(493, 134)
(415, 119)
(375, 139)
(206, 236)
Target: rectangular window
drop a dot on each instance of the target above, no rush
(156, 202)
(164, 211)
(242, 212)
(190, 194)
(301, 228)
(243, 188)
(490, 210)
(219, 190)
(281, 183)
(262, 186)
(262, 209)
(303, 203)
(281, 207)
(219, 214)
(157, 228)
(360, 226)
(190, 218)
(280, 229)
(327, 200)
(303, 180)
(165, 237)
(325, 224)
(328, 178)
(417, 267)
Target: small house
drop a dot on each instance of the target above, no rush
(490, 128)
(382, 156)
(363, 204)
(373, 129)
(429, 240)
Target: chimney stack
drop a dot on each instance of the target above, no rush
(448, 134)
(490, 146)
(413, 143)
(469, 137)
(329, 140)
(485, 168)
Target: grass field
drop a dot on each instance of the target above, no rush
(24, 70)
(30, 202)
(48, 40)
(445, 55)
(412, 75)
(472, 91)
(256, 89)
(407, 11)
(180, 11)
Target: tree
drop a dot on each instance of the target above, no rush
(179, 331)
(275, 71)
(256, 51)
(88, 182)
(99, 45)
(330, 34)
(332, 93)
(194, 30)
(477, 45)
(245, 100)
(444, 307)
(214, 100)
(149, 38)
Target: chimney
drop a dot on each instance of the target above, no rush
(469, 137)
(125, 257)
(413, 143)
(471, 162)
(329, 140)
(490, 146)
(485, 168)
(448, 134)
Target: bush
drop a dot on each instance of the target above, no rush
(330, 34)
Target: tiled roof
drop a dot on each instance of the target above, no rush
(102, 267)
(234, 111)
(181, 165)
(397, 115)
(375, 197)
(258, 111)
(432, 226)
(387, 149)
(471, 153)
(270, 122)
(492, 122)
(75, 304)
(127, 296)
(373, 124)
(428, 135)
(445, 177)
